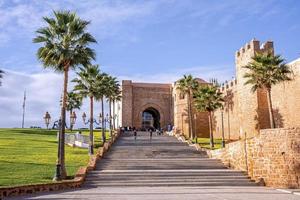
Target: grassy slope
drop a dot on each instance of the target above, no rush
(205, 143)
(28, 156)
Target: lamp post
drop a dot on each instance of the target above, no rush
(73, 118)
(89, 120)
(223, 137)
(58, 123)
(47, 119)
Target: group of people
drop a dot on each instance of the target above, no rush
(150, 130)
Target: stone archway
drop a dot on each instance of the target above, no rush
(155, 111)
(150, 119)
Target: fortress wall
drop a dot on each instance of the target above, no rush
(231, 120)
(127, 101)
(286, 100)
(249, 111)
(181, 121)
(272, 155)
(157, 96)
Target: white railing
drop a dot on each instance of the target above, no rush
(76, 140)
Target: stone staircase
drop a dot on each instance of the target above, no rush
(163, 161)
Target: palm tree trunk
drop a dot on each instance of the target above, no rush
(190, 117)
(102, 111)
(270, 107)
(114, 121)
(71, 125)
(110, 119)
(61, 154)
(211, 136)
(91, 143)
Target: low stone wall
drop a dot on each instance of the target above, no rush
(61, 185)
(273, 155)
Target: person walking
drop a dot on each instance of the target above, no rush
(135, 134)
(151, 132)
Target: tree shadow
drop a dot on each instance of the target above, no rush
(278, 118)
(228, 100)
(228, 107)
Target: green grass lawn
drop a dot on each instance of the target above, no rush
(28, 156)
(204, 142)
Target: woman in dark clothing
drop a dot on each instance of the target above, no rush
(135, 134)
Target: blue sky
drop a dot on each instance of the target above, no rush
(150, 41)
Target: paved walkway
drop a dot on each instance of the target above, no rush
(163, 168)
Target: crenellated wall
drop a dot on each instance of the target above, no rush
(245, 112)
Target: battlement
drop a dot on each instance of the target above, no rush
(228, 85)
(126, 82)
(254, 46)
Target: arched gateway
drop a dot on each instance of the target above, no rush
(147, 105)
(150, 118)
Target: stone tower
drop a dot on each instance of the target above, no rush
(253, 107)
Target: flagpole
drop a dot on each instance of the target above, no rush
(24, 104)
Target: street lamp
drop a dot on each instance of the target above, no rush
(73, 118)
(89, 120)
(100, 118)
(84, 117)
(47, 119)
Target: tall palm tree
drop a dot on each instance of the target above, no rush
(65, 44)
(112, 83)
(86, 86)
(102, 81)
(187, 85)
(115, 98)
(1, 76)
(209, 99)
(264, 71)
(74, 101)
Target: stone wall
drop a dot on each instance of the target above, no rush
(273, 155)
(286, 98)
(181, 120)
(137, 97)
(246, 111)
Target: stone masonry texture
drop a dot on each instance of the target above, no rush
(273, 155)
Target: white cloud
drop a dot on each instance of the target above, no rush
(222, 73)
(43, 91)
(22, 18)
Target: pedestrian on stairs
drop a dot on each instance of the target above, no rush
(150, 131)
(135, 134)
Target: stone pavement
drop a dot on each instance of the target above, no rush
(163, 168)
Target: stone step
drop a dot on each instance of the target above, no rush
(168, 184)
(150, 180)
(171, 172)
(177, 178)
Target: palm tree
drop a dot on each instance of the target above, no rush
(86, 86)
(74, 101)
(1, 76)
(187, 85)
(209, 99)
(115, 98)
(65, 46)
(102, 81)
(266, 70)
(112, 84)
